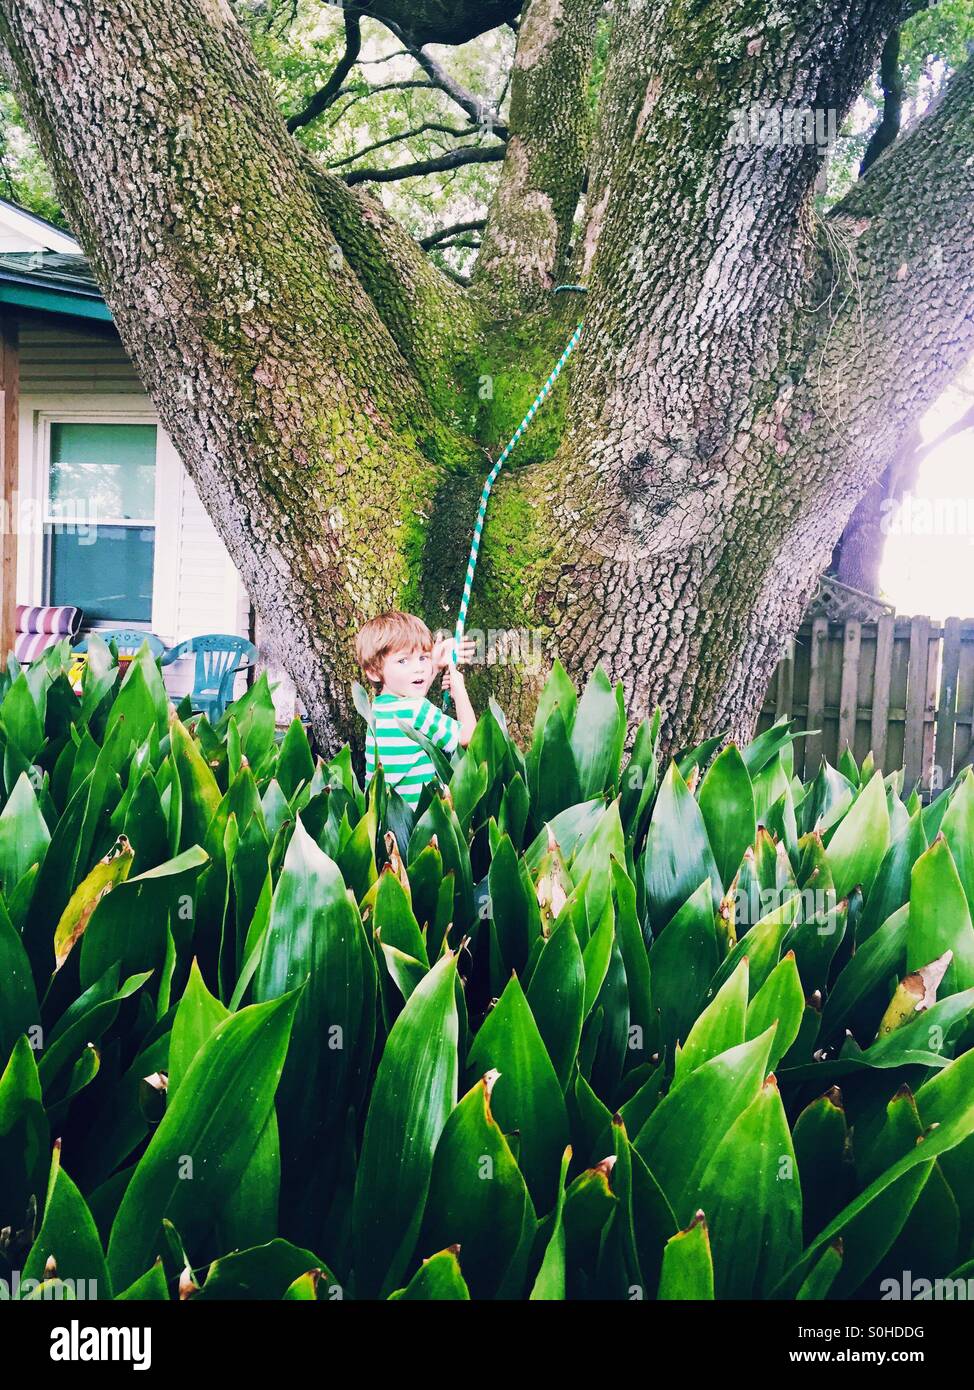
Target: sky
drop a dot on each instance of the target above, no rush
(928, 563)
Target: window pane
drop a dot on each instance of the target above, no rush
(110, 578)
(103, 471)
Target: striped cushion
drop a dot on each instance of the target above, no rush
(29, 645)
(62, 621)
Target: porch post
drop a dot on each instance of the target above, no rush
(9, 466)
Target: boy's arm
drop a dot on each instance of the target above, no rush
(465, 711)
(438, 727)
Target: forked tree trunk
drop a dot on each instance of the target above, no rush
(745, 369)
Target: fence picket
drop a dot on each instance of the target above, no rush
(910, 680)
(947, 707)
(885, 635)
(849, 694)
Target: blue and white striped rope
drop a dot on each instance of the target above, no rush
(535, 406)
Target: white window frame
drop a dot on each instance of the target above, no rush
(37, 416)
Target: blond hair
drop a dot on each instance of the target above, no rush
(390, 632)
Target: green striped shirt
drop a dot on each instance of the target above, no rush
(407, 766)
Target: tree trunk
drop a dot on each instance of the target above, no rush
(858, 556)
(530, 223)
(305, 430)
(745, 370)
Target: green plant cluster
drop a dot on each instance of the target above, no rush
(585, 1025)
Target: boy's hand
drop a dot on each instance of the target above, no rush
(453, 679)
(442, 648)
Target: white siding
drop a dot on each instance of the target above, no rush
(210, 596)
(61, 354)
(70, 370)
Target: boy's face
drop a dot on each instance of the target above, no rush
(406, 673)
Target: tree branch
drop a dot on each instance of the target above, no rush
(430, 320)
(454, 159)
(469, 243)
(529, 224)
(329, 93)
(432, 21)
(897, 323)
(891, 81)
(483, 116)
(405, 135)
(428, 242)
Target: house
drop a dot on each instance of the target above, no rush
(97, 506)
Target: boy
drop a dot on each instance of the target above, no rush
(400, 659)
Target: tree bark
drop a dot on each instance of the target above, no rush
(307, 434)
(530, 222)
(728, 413)
(746, 369)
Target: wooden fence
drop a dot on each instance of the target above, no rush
(903, 687)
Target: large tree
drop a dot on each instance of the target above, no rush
(747, 366)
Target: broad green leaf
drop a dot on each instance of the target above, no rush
(940, 919)
(682, 1134)
(19, 1009)
(593, 858)
(726, 802)
(24, 836)
(477, 1197)
(957, 828)
(558, 782)
(68, 1235)
(150, 1287)
(513, 906)
(642, 1020)
(262, 1272)
(556, 996)
(688, 1268)
(550, 1283)
(751, 1193)
(24, 1134)
(682, 962)
(236, 1071)
(780, 1001)
(677, 858)
(718, 1028)
(316, 935)
(859, 843)
(528, 1096)
(596, 957)
(200, 793)
(141, 702)
(198, 1015)
(558, 692)
(414, 1092)
(598, 734)
(438, 1278)
(891, 887)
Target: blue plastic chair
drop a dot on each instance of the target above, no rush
(217, 666)
(128, 640)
